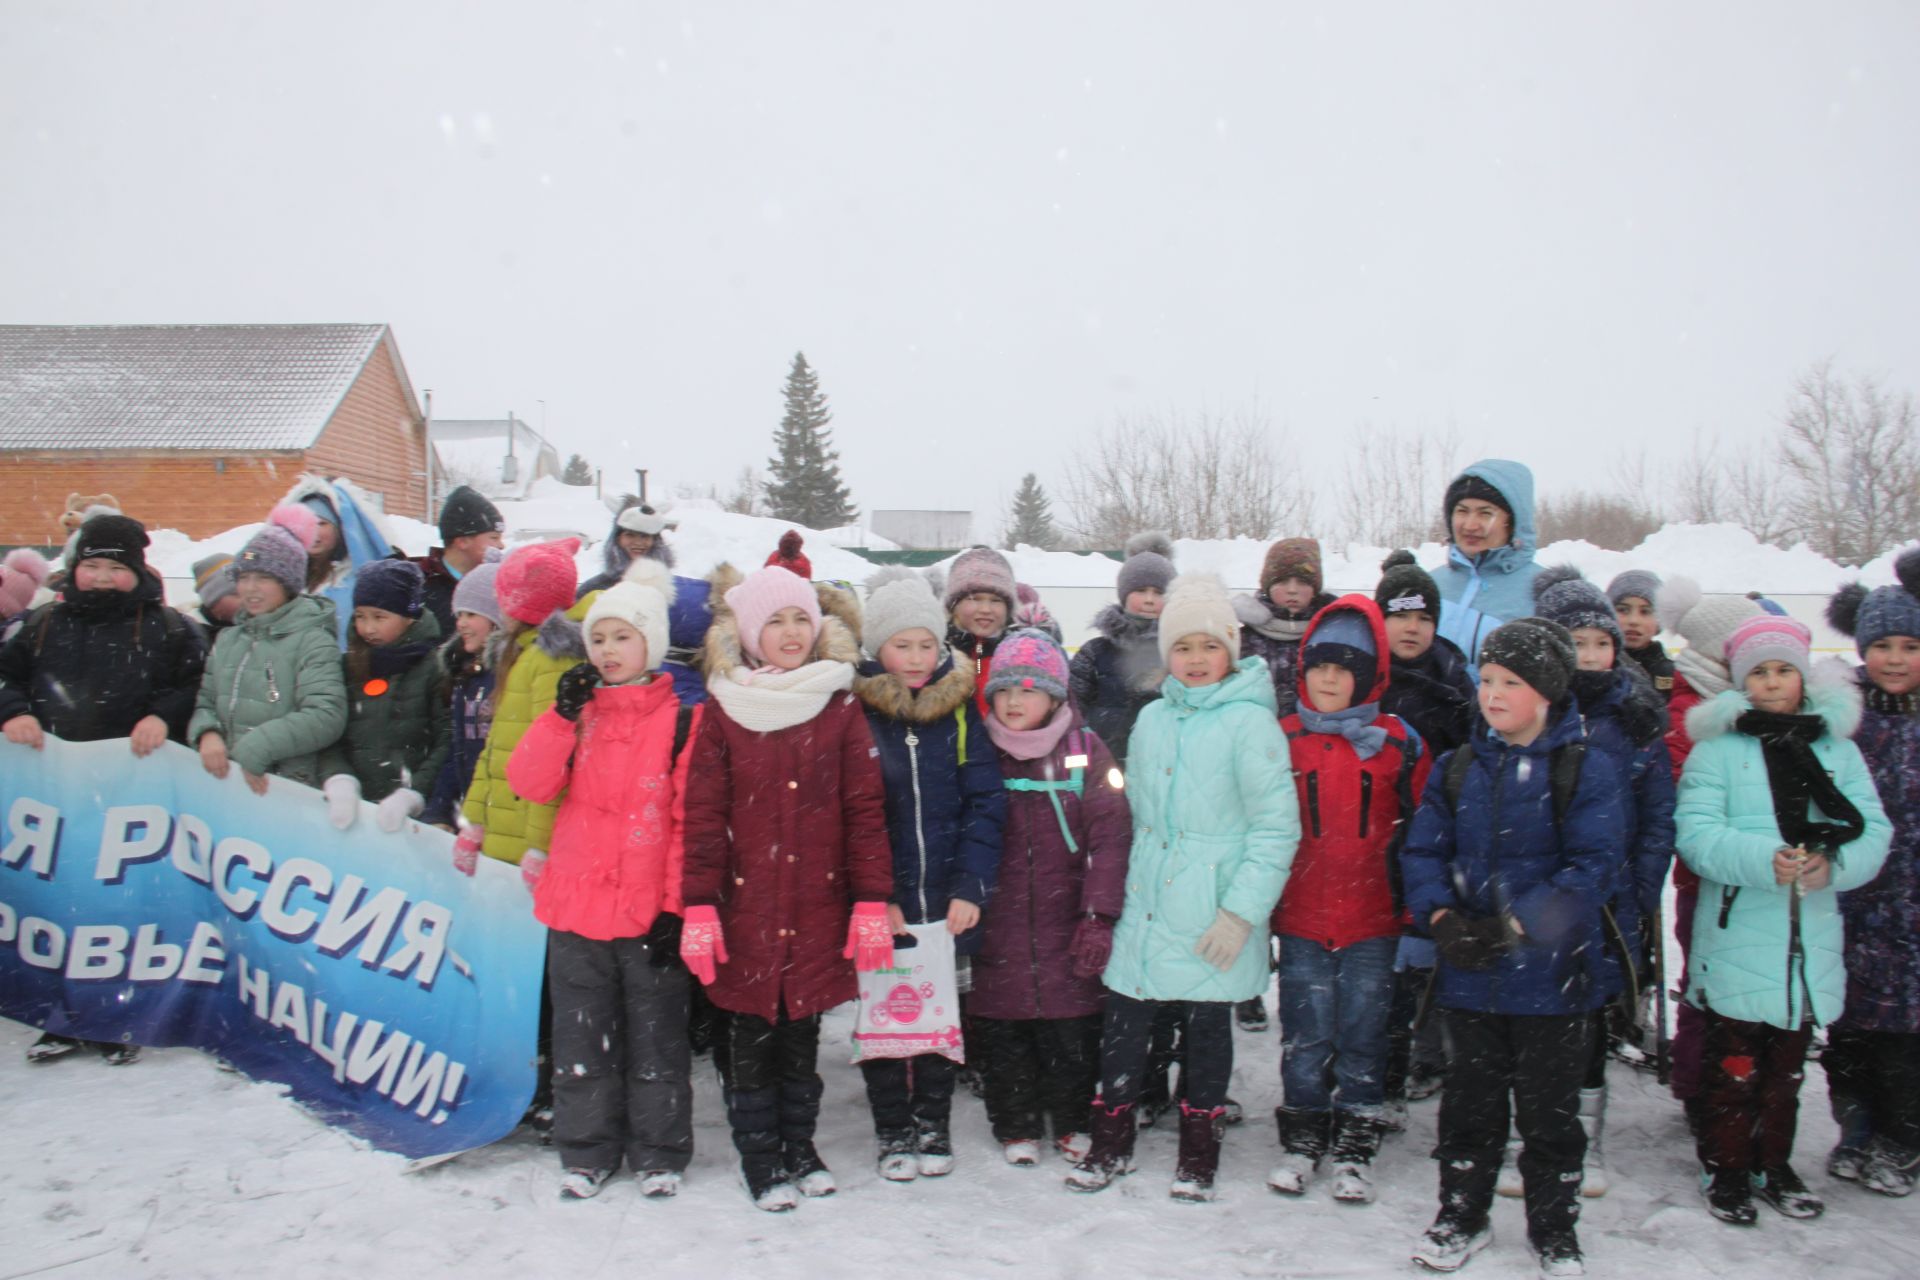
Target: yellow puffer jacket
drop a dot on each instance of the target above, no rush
(515, 825)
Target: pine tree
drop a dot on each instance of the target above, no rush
(577, 471)
(803, 484)
(1032, 521)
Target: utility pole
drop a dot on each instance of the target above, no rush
(641, 472)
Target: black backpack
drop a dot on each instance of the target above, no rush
(1563, 766)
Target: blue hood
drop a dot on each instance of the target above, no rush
(1514, 480)
(1479, 595)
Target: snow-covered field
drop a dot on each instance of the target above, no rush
(171, 1167)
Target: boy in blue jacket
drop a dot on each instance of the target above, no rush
(1509, 862)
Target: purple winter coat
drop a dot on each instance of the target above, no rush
(1023, 969)
(1883, 916)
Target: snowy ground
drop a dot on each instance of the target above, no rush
(171, 1167)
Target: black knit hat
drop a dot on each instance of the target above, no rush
(465, 512)
(1466, 486)
(112, 537)
(1406, 588)
(397, 586)
(1538, 651)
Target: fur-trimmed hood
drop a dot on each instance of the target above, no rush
(1832, 694)
(366, 510)
(949, 688)
(1121, 627)
(561, 636)
(837, 641)
(1261, 616)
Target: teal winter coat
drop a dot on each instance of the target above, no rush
(273, 690)
(1215, 824)
(1747, 962)
(1480, 593)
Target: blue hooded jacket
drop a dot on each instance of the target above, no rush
(1497, 586)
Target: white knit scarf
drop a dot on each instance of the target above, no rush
(1705, 675)
(770, 699)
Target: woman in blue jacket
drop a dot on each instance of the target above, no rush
(1777, 812)
(1491, 541)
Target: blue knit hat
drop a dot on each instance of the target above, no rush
(1885, 611)
(1343, 637)
(397, 586)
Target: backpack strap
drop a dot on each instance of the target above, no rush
(1455, 778)
(1563, 773)
(1075, 782)
(682, 723)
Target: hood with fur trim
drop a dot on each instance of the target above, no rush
(1124, 628)
(837, 641)
(1831, 694)
(888, 695)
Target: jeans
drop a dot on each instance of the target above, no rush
(1335, 1010)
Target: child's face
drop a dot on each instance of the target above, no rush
(1774, 686)
(1022, 708)
(1893, 663)
(1594, 649)
(1199, 659)
(636, 544)
(259, 593)
(617, 651)
(1637, 622)
(473, 547)
(97, 573)
(326, 540)
(912, 655)
(786, 641)
(1145, 603)
(982, 614)
(1513, 708)
(1291, 594)
(1410, 634)
(1330, 687)
(377, 626)
(473, 630)
(1479, 525)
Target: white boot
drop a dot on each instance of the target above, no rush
(1593, 1118)
(1510, 1183)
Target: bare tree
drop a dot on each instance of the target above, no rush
(745, 497)
(1394, 483)
(1204, 475)
(1852, 452)
(1743, 487)
(1613, 521)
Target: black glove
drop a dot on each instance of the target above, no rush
(576, 690)
(1471, 943)
(663, 940)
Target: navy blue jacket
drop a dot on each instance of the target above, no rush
(944, 817)
(472, 716)
(1434, 693)
(1116, 674)
(1503, 852)
(1628, 724)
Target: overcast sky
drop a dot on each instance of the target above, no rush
(992, 228)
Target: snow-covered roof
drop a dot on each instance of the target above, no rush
(471, 451)
(190, 386)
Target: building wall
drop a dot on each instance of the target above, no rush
(375, 440)
(185, 491)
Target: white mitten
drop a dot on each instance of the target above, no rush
(342, 791)
(393, 812)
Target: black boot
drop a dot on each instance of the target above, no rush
(1111, 1153)
(1199, 1152)
(1304, 1137)
(799, 1115)
(1356, 1141)
(755, 1117)
(1729, 1194)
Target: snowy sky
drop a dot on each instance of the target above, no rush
(992, 227)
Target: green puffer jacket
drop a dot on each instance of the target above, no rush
(1215, 824)
(544, 655)
(1754, 958)
(272, 689)
(399, 719)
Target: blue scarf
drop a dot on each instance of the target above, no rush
(1359, 725)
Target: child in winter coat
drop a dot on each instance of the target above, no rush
(1358, 773)
(945, 809)
(1276, 619)
(272, 700)
(1491, 540)
(1048, 933)
(1118, 672)
(980, 599)
(638, 532)
(1777, 811)
(609, 753)
(348, 535)
(1517, 846)
(1873, 1052)
(397, 729)
(1627, 720)
(787, 856)
(1215, 825)
(111, 660)
(468, 659)
(1632, 594)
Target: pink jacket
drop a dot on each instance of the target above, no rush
(618, 840)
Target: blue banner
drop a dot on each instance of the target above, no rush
(147, 902)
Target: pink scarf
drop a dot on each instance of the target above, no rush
(1031, 744)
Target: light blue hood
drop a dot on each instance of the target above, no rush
(1481, 594)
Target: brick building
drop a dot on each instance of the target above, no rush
(200, 427)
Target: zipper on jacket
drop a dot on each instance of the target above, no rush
(919, 829)
(233, 693)
(1366, 799)
(1313, 800)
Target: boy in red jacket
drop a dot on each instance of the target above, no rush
(1338, 922)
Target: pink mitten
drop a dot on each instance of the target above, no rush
(466, 848)
(701, 943)
(869, 937)
(532, 863)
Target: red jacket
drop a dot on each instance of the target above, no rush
(618, 853)
(1683, 699)
(1344, 886)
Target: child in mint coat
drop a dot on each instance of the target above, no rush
(1215, 824)
(1777, 813)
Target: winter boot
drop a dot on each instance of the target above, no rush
(1199, 1153)
(1251, 1014)
(1022, 1153)
(1231, 1112)
(1890, 1169)
(1782, 1188)
(1111, 1154)
(1729, 1196)
(933, 1148)
(1510, 1182)
(660, 1184)
(799, 1113)
(1304, 1138)
(1559, 1253)
(1593, 1118)
(583, 1184)
(1848, 1160)
(1451, 1240)
(51, 1048)
(1394, 1115)
(1424, 1080)
(1356, 1140)
(897, 1160)
(119, 1055)
(1073, 1147)
(755, 1117)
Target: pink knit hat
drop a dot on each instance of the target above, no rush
(1765, 638)
(20, 576)
(765, 592)
(537, 581)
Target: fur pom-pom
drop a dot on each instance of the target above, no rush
(29, 564)
(1678, 596)
(1397, 558)
(1906, 567)
(1552, 577)
(1843, 611)
(298, 521)
(1153, 540)
(645, 571)
(888, 573)
(937, 579)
